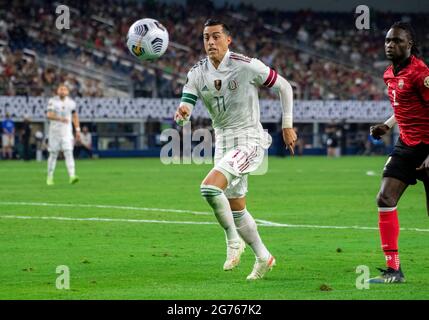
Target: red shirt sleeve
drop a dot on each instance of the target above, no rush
(422, 83)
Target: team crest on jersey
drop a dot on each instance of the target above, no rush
(218, 84)
(426, 82)
(401, 83)
(232, 85)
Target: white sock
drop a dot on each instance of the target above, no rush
(248, 230)
(222, 210)
(68, 155)
(52, 162)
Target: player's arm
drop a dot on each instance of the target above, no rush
(381, 129)
(76, 124)
(283, 87)
(89, 144)
(51, 115)
(183, 113)
(187, 102)
(422, 84)
(265, 76)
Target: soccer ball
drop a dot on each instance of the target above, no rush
(147, 39)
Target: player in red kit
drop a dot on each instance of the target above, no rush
(407, 80)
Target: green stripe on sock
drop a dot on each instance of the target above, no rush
(210, 190)
(210, 194)
(237, 214)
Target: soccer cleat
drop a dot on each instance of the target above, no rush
(261, 267)
(74, 179)
(50, 181)
(233, 254)
(389, 275)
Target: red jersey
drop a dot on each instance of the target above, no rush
(409, 95)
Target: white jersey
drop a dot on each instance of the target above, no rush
(230, 94)
(62, 108)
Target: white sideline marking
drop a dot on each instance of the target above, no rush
(371, 173)
(265, 223)
(100, 206)
(262, 223)
(104, 220)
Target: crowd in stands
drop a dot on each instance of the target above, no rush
(21, 75)
(322, 54)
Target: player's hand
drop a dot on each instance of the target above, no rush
(77, 136)
(378, 130)
(424, 166)
(289, 137)
(64, 120)
(182, 114)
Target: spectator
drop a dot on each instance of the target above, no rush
(8, 137)
(39, 145)
(332, 144)
(309, 41)
(85, 143)
(25, 138)
(374, 146)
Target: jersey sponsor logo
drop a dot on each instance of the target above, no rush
(426, 82)
(232, 85)
(401, 83)
(218, 84)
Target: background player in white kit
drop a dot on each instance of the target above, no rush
(61, 112)
(228, 85)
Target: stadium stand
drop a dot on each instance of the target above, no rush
(93, 59)
(336, 70)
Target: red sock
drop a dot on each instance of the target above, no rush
(389, 233)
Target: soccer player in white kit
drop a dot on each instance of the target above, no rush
(227, 83)
(61, 111)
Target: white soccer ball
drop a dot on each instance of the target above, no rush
(147, 39)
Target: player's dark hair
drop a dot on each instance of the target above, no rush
(411, 33)
(215, 22)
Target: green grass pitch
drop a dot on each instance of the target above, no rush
(160, 253)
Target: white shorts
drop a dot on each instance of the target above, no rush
(8, 140)
(238, 163)
(57, 144)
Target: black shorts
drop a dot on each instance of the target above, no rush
(404, 160)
